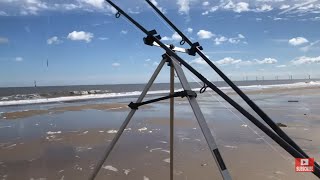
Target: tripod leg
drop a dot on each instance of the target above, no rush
(126, 122)
(202, 122)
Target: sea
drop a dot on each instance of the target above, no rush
(12, 96)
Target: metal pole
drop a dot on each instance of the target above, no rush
(126, 122)
(283, 143)
(256, 108)
(171, 119)
(202, 123)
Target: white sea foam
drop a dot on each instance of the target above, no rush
(112, 131)
(51, 133)
(142, 129)
(135, 93)
(110, 168)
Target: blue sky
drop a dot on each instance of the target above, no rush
(85, 44)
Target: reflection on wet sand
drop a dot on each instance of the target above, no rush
(142, 152)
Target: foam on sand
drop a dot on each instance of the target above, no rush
(110, 168)
(136, 93)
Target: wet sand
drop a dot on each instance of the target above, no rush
(57, 152)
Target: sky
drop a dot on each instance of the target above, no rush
(85, 44)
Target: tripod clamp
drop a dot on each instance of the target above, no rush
(182, 94)
(150, 37)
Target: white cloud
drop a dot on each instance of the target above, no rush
(306, 60)
(54, 40)
(80, 36)
(296, 6)
(281, 66)
(241, 36)
(211, 10)
(124, 32)
(155, 64)
(2, 13)
(18, 59)
(220, 40)
(103, 38)
(199, 61)
(307, 48)
(228, 60)
(4, 40)
(203, 34)
(189, 30)
(96, 3)
(298, 41)
(267, 61)
(284, 6)
(238, 7)
(154, 2)
(264, 8)
(206, 3)
(115, 64)
(175, 37)
(184, 6)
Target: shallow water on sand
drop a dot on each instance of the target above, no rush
(66, 145)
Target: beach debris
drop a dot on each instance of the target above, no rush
(232, 147)
(293, 101)
(145, 178)
(305, 114)
(194, 128)
(51, 133)
(37, 124)
(126, 171)
(281, 125)
(110, 168)
(167, 160)
(143, 129)
(163, 142)
(112, 131)
(244, 125)
(204, 164)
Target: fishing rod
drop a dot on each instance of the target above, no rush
(152, 37)
(197, 49)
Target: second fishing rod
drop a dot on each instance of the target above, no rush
(196, 48)
(151, 36)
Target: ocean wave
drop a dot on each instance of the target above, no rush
(40, 100)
